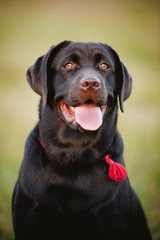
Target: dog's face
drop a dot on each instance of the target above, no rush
(81, 80)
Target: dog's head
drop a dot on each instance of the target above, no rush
(82, 80)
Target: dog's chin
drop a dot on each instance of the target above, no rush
(84, 117)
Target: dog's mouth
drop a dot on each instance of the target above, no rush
(88, 115)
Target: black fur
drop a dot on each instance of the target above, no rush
(64, 191)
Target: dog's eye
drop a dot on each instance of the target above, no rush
(104, 66)
(69, 65)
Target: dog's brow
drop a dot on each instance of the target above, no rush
(74, 57)
(99, 56)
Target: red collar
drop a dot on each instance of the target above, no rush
(116, 171)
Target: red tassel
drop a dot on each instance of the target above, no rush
(116, 171)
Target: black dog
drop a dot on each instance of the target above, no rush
(65, 186)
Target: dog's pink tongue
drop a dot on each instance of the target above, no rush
(88, 116)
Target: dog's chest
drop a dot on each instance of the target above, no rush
(81, 192)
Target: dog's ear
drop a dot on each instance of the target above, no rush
(38, 74)
(124, 85)
(124, 80)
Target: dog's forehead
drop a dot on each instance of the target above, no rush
(84, 50)
(85, 46)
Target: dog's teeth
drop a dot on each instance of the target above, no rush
(72, 108)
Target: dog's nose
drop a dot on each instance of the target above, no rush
(90, 83)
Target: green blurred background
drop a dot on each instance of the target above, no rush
(28, 29)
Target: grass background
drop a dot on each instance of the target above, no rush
(28, 29)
